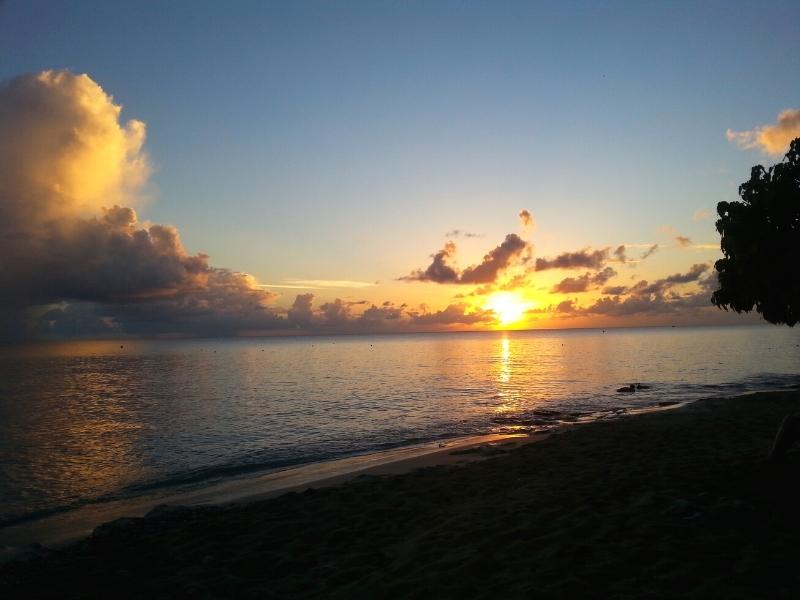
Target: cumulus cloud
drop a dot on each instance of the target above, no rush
(439, 271)
(513, 248)
(511, 251)
(567, 307)
(454, 314)
(586, 259)
(388, 311)
(771, 139)
(574, 285)
(657, 297)
(63, 149)
(301, 313)
(67, 165)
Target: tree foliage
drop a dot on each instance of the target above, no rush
(761, 243)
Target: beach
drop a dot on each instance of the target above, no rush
(677, 503)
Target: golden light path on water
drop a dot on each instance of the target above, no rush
(90, 420)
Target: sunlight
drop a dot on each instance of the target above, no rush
(508, 306)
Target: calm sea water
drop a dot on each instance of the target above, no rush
(87, 421)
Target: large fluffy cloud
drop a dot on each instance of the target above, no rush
(771, 139)
(68, 166)
(63, 149)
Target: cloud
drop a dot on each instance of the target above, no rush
(526, 220)
(646, 298)
(701, 214)
(693, 274)
(336, 313)
(567, 306)
(650, 251)
(311, 284)
(439, 271)
(454, 314)
(511, 251)
(497, 260)
(386, 312)
(586, 258)
(683, 241)
(574, 285)
(620, 253)
(63, 150)
(770, 139)
(465, 234)
(615, 290)
(301, 313)
(67, 165)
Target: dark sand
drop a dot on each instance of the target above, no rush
(663, 505)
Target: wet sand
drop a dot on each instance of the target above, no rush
(70, 526)
(673, 504)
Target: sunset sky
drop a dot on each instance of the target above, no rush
(413, 166)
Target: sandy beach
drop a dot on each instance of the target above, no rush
(672, 504)
(70, 526)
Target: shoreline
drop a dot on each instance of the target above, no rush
(72, 525)
(606, 509)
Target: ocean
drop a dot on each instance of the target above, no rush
(87, 422)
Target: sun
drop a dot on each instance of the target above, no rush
(508, 306)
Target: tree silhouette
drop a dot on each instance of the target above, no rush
(761, 243)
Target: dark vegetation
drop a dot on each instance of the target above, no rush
(761, 243)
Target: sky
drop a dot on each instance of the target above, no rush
(336, 149)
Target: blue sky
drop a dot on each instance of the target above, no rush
(341, 140)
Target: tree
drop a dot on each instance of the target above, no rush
(761, 243)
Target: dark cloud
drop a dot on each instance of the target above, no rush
(567, 306)
(657, 297)
(336, 313)
(301, 313)
(526, 219)
(620, 254)
(511, 251)
(465, 234)
(574, 285)
(439, 271)
(513, 248)
(582, 259)
(105, 259)
(387, 312)
(650, 251)
(615, 290)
